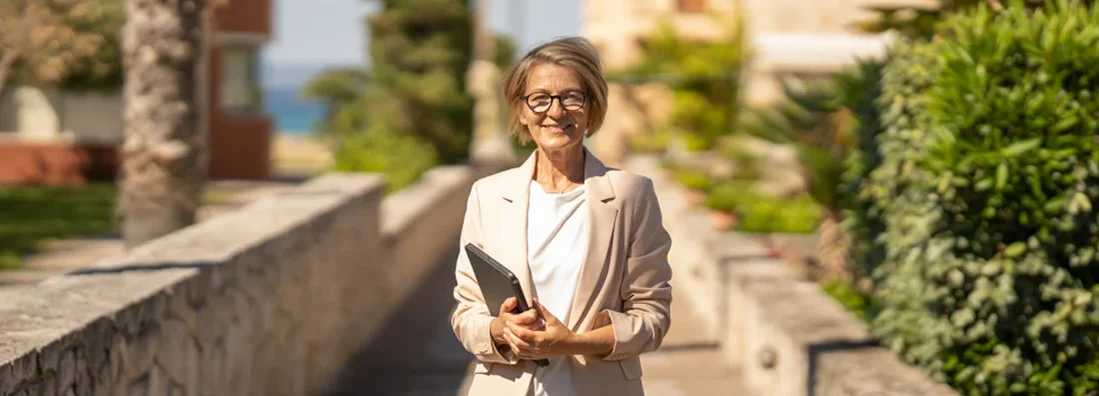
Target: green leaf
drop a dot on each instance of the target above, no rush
(1065, 124)
(1015, 250)
(1001, 176)
(1056, 205)
(984, 184)
(1083, 201)
(1018, 148)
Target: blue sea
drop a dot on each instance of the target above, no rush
(293, 114)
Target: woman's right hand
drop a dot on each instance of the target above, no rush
(525, 319)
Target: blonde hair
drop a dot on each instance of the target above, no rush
(575, 53)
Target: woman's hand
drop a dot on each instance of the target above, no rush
(532, 343)
(496, 329)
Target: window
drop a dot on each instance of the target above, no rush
(240, 78)
(691, 5)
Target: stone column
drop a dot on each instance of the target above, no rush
(490, 146)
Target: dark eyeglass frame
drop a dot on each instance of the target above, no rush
(583, 100)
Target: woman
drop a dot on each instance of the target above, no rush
(586, 242)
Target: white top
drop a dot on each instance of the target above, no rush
(556, 245)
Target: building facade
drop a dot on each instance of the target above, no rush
(48, 136)
(785, 37)
(616, 26)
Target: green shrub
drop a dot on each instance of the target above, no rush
(979, 192)
(693, 179)
(728, 196)
(746, 165)
(766, 214)
(653, 142)
(860, 304)
(399, 157)
(762, 213)
(30, 215)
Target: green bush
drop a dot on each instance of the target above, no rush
(30, 215)
(653, 142)
(765, 214)
(746, 164)
(976, 197)
(728, 196)
(693, 179)
(855, 301)
(399, 157)
(761, 213)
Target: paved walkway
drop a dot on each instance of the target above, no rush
(690, 362)
(417, 353)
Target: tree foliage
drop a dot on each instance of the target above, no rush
(68, 42)
(505, 52)
(705, 77)
(341, 91)
(812, 119)
(409, 111)
(420, 50)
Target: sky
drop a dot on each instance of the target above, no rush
(312, 34)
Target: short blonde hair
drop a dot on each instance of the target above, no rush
(576, 53)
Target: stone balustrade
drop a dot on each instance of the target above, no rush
(786, 335)
(268, 300)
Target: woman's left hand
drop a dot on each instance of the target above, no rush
(538, 343)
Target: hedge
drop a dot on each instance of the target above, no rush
(971, 196)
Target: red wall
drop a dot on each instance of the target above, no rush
(240, 147)
(252, 16)
(240, 143)
(55, 163)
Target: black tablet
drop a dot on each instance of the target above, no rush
(497, 284)
(496, 281)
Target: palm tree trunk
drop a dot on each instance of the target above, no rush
(832, 248)
(163, 164)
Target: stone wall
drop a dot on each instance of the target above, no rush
(784, 333)
(269, 300)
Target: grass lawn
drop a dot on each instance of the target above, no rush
(31, 215)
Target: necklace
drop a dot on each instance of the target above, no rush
(562, 189)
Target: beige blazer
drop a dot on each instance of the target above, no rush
(626, 273)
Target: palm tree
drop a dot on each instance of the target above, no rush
(814, 120)
(163, 156)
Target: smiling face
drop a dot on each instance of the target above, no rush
(555, 128)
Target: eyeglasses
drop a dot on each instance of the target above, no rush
(540, 102)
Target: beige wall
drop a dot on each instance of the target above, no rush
(802, 37)
(269, 300)
(616, 25)
(49, 114)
